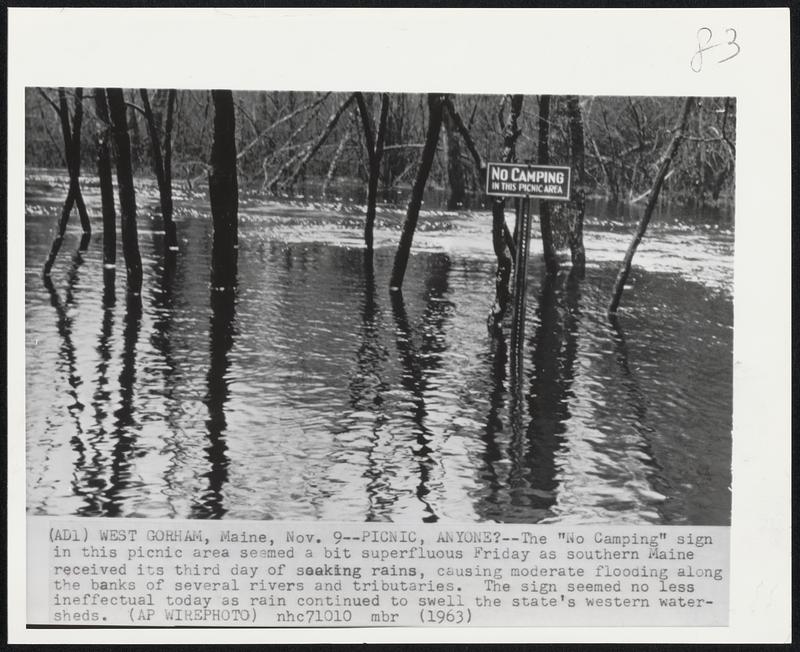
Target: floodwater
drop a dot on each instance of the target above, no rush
(313, 393)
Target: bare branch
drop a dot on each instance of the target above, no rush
(287, 145)
(459, 123)
(52, 137)
(384, 116)
(501, 119)
(368, 137)
(305, 107)
(136, 108)
(334, 161)
(323, 136)
(472, 116)
(389, 148)
(155, 143)
(49, 101)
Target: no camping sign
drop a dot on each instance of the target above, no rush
(528, 180)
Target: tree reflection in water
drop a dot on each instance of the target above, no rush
(497, 359)
(636, 398)
(92, 475)
(109, 287)
(163, 307)
(68, 361)
(221, 335)
(124, 434)
(414, 382)
(419, 365)
(554, 352)
(637, 412)
(366, 389)
(545, 389)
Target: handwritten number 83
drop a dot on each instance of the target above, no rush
(704, 44)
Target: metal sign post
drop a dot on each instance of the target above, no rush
(521, 279)
(525, 182)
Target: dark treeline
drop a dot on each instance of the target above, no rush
(283, 138)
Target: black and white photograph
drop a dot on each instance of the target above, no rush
(379, 306)
(398, 324)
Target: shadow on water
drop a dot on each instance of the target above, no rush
(91, 476)
(124, 434)
(366, 390)
(534, 439)
(496, 359)
(222, 330)
(109, 287)
(636, 398)
(618, 462)
(419, 365)
(163, 307)
(366, 386)
(413, 381)
(637, 403)
(555, 346)
(68, 359)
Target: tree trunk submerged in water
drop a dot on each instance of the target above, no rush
(511, 132)
(375, 172)
(455, 170)
(162, 161)
(578, 200)
(72, 150)
(223, 190)
(502, 241)
(72, 157)
(127, 194)
(412, 214)
(678, 134)
(106, 195)
(543, 153)
(105, 180)
(374, 155)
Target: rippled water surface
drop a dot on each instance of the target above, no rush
(314, 394)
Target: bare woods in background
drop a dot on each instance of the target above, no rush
(620, 148)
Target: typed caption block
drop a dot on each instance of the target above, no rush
(143, 572)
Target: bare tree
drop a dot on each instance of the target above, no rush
(134, 135)
(398, 130)
(162, 160)
(127, 194)
(417, 191)
(286, 118)
(106, 188)
(72, 157)
(678, 133)
(223, 190)
(578, 199)
(463, 129)
(511, 132)
(337, 155)
(550, 259)
(312, 147)
(455, 171)
(374, 147)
